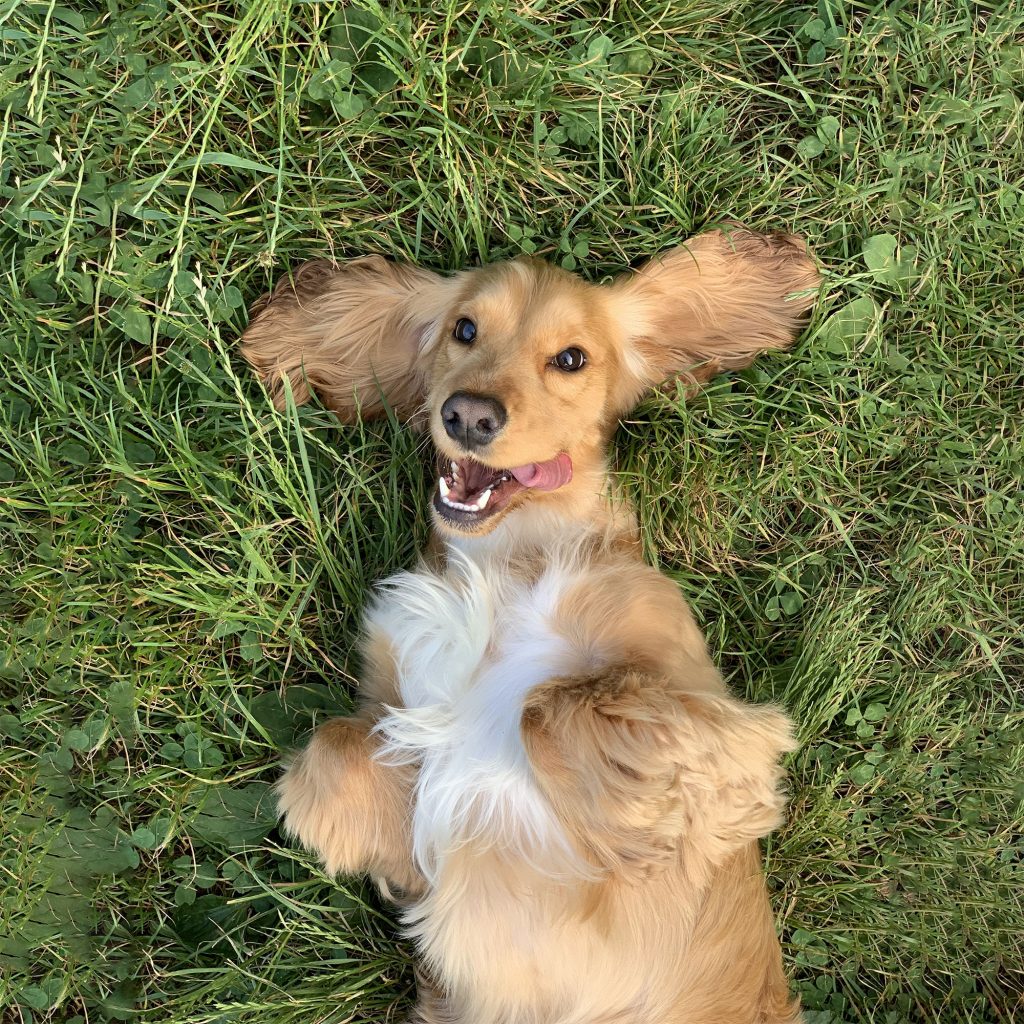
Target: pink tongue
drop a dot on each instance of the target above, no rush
(545, 476)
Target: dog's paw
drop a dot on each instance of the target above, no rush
(321, 796)
(611, 701)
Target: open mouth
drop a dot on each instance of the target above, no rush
(468, 492)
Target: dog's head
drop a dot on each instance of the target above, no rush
(520, 370)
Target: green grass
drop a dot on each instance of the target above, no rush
(183, 570)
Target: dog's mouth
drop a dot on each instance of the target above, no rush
(468, 492)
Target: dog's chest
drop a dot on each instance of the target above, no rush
(468, 646)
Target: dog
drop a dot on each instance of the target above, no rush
(545, 770)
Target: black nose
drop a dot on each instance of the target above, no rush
(473, 420)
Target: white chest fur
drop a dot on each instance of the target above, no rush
(469, 645)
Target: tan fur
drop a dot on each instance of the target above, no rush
(670, 774)
(713, 304)
(660, 780)
(354, 334)
(341, 802)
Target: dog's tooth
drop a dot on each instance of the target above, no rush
(461, 506)
(455, 468)
(481, 502)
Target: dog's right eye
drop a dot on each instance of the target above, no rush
(465, 331)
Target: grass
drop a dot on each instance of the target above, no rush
(183, 569)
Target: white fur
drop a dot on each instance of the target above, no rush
(462, 692)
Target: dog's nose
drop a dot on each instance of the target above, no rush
(473, 420)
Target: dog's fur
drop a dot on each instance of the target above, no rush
(546, 768)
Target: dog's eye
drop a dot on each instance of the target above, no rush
(465, 331)
(570, 359)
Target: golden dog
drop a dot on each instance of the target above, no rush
(546, 769)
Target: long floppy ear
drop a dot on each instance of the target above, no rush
(641, 775)
(358, 334)
(710, 305)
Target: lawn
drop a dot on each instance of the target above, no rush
(183, 568)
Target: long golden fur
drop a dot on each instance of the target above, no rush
(546, 769)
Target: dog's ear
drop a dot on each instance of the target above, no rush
(710, 305)
(359, 334)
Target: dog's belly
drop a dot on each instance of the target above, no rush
(468, 646)
(507, 946)
(505, 926)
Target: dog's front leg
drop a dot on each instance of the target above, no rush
(593, 745)
(349, 808)
(635, 766)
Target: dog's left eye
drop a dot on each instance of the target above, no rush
(465, 331)
(570, 359)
